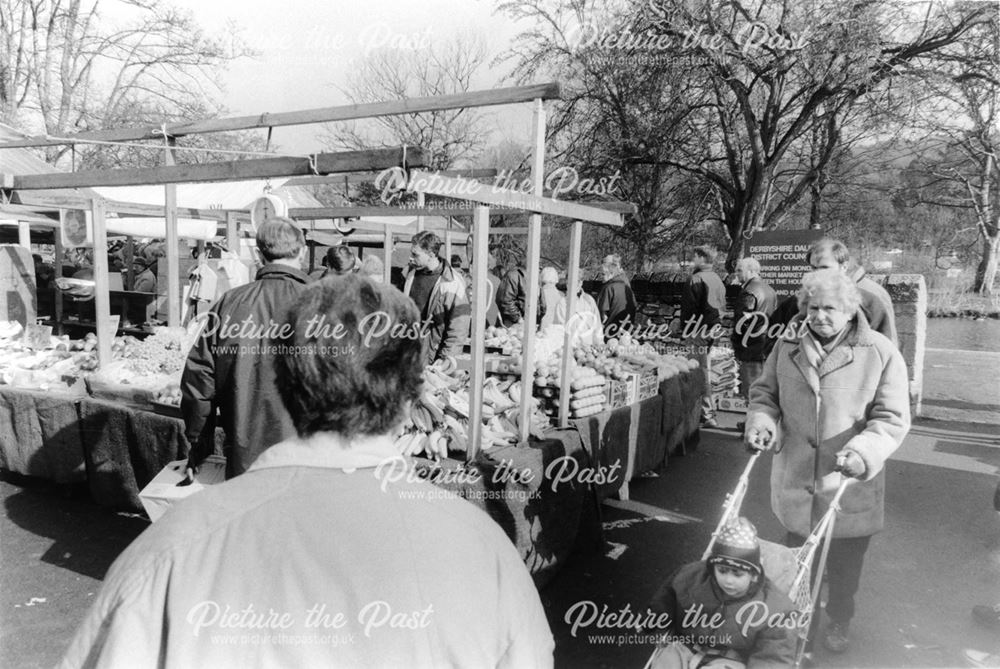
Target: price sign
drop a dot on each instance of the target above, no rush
(38, 337)
(113, 325)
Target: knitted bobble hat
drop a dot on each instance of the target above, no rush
(737, 546)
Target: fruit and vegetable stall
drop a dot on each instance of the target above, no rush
(530, 425)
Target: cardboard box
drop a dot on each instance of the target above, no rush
(648, 384)
(617, 394)
(163, 492)
(731, 404)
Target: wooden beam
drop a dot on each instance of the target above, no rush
(232, 233)
(465, 189)
(387, 244)
(102, 300)
(363, 178)
(532, 272)
(129, 263)
(573, 277)
(24, 234)
(496, 96)
(53, 203)
(173, 263)
(313, 213)
(239, 170)
(480, 259)
(57, 238)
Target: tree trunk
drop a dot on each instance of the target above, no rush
(986, 272)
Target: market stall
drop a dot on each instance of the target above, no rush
(465, 422)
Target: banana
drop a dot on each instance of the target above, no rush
(435, 411)
(402, 441)
(459, 403)
(419, 443)
(488, 411)
(419, 416)
(436, 444)
(456, 426)
(514, 392)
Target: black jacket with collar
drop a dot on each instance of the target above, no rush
(231, 367)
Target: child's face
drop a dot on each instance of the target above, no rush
(734, 582)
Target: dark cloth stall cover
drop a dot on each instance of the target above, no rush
(40, 436)
(544, 518)
(126, 449)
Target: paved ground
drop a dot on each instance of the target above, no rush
(939, 554)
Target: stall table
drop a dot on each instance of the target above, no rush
(40, 435)
(637, 438)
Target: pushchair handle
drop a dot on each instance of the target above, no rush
(734, 500)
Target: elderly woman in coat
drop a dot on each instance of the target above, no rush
(833, 394)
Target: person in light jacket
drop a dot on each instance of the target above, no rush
(330, 551)
(839, 393)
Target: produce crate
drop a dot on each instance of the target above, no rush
(131, 396)
(166, 409)
(731, 404)
(619, 393)
(648, 384)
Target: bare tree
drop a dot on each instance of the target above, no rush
(620, 117)
(959, 166)
(762, 77)
(450, 136)
(66, 67)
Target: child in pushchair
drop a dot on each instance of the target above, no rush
(723, 612)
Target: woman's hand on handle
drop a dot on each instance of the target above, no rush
(758, 439)
(850, 464)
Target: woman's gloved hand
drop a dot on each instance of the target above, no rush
(757, 439)
(850, 464)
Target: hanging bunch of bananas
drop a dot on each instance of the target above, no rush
(438, 421)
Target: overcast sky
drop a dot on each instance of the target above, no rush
(306, 48)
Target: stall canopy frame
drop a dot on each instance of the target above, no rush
(457, 188)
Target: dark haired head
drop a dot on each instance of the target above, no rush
(428, 241)
(355, 357)
(279, 238)
(706, 252)
(835, 248)
(456, 261)
(340, 259)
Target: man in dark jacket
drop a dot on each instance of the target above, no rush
(615, 301)
(231, 365)
(703, 300)
(512, 296)
(754, 307)
(440, 295)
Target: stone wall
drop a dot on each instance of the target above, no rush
(909, 303)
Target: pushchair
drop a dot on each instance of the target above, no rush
(789, 569)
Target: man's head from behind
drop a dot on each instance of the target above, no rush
(829, 254)
(280, 239)
(355, 358)
(703, 257)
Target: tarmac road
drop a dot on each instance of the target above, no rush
(939, 555)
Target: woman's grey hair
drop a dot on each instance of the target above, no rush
(549, 275)
(748, 265)
(831, 282)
